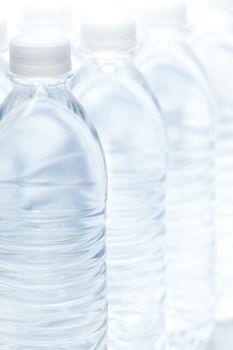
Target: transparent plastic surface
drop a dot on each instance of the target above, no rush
(212, 40)
(52, 222)
(176, 79)
(133, 138)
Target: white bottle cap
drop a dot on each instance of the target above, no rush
(3, 34)
(40, 55)
(166, 14)
(41, 16)
(118, 37)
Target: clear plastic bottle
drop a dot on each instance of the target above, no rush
(52, 207)
(130, 127)
(212, 40)
(178, 82)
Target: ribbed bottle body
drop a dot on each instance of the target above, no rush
(213, 43)
(188, 111)
(133, 139)
(52, 227)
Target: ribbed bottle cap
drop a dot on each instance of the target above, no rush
(3, 33)
(41, 16)
(171, 14)
(40, 55)
(119, 36)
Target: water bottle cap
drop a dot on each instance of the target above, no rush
(40, 55)
(3, 33)
(41, 16)
(120, 36)
(166, 14)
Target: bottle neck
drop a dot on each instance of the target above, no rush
(22, 81)
(108, 57)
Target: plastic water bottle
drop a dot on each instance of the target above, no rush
(212, 40)
(130, 127)
(5, 85)
(52, 207)
(176, 78)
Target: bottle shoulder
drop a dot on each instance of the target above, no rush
(174, 55)
(212, 26)
(122, 86)
(215, 51)
(123, 109)
(59, 102)
(179, 81)
(38, 130)
(212, 38)
(219, 39)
